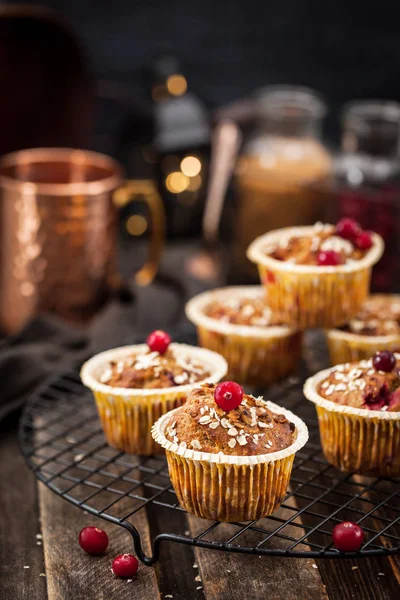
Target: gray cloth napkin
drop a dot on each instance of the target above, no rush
(47, 344)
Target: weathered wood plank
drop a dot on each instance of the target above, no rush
(74, 575)
(229, 576)
(175, 571)
(19, 524)
(373, 579)
(347, 579)
(395, 564)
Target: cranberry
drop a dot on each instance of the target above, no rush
(376, 398)
(93, 540)
(228, 395)
(329, 258)
(347, 536)
(269, 277)
(384, 361)
(158, 341)
(376, 404)
(348, 229)
(125, 565)
(364, 240)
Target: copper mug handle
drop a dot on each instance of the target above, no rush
(144, 190)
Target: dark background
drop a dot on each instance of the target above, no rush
(343, 49)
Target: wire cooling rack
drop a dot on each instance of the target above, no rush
(62, 442)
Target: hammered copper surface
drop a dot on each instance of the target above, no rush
(58, 234)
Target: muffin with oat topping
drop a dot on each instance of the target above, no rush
(149, 370)
(358, 408)
(229, 454)
(375, 327)
(237, 323)
(134, 385)
(316, 276)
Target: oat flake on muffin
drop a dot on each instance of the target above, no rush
(379, 316)
(250, 429)
(242, 311)
(360, 385)
(148, 369)
(322, 247)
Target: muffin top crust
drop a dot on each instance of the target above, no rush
(147, 370)
(242, 310)
(249, 429)
(237, 310)
(363, 385)
(379, 315)
(325, 246)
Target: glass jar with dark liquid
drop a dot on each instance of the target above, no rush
(366, 181)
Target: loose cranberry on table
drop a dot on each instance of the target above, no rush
(158, 341)
(329, 258)
(228, 395)
(347, 536)
(93, 540)
(364, 240)
(348, 229)
(125, 565)
(384, 361)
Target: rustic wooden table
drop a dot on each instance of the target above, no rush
(41, 560)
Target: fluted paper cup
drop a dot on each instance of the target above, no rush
(309, 295)
(256, 355)
(345, 346)
(230, 488)
(126, 414)
(358, 440)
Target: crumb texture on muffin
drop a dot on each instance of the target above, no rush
(147, 370)
(304, 249)
(359, 385)
(250, 429)
(242, 310)
(379, 315)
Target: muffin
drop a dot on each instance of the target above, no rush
(230, 455)
(316, 276)
(375, 327)
(134, 385)
(236, 322)
(358, 408)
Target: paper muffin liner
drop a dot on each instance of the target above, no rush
(230, 488)
(356, 439)
(345, 346)
(256, 355)
(313, 296)
(127, 415)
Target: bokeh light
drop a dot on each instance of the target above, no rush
(176, 85)
(136, 225)
(177, 182)
(195, 183)
(191, 166)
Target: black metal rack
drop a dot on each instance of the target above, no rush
(62, 442)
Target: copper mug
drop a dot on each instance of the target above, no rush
(58, 222)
